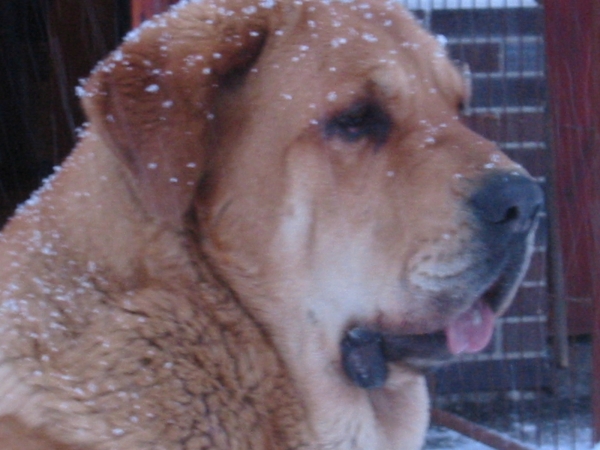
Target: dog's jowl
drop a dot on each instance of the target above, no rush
(273, 225)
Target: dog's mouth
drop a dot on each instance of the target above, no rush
(470, 332)
(366, 352)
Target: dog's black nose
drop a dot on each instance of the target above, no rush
(508, 201)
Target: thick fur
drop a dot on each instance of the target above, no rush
(185, 279)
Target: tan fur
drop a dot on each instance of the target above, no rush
(185, 280)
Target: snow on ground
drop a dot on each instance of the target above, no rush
(440, 438)
(559, 418)
(443, 438)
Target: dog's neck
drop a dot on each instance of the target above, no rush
(130, 337)
(340, 414)
(119, 333)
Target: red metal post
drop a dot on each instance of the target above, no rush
(573, 41)
(568, 38)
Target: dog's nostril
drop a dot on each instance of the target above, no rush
(510, 200)
(512, 213)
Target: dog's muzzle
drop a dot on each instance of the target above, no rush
(505, 211)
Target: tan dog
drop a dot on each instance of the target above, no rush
(274, 221)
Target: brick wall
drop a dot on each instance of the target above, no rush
(505, 51)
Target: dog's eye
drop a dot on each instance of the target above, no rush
(363, 120)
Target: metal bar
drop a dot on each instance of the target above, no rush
(557, 295)
(595, 63)
(475, 431)
(555, 268)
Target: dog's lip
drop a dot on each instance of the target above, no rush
(366, 351)
(472, 330)
(468, 331)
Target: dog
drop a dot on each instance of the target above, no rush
(273, 224)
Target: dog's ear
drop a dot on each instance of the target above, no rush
(151, 99)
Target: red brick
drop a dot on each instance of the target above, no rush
(534, 160)
(509, 127)
(524, 337)
(537, 267)
(483, 57)
(529, 302)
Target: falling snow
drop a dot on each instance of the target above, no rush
(369, 37)
(438, 437)
(152, 88)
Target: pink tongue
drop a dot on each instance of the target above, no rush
(472, 330)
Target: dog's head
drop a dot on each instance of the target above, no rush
(318, 148)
